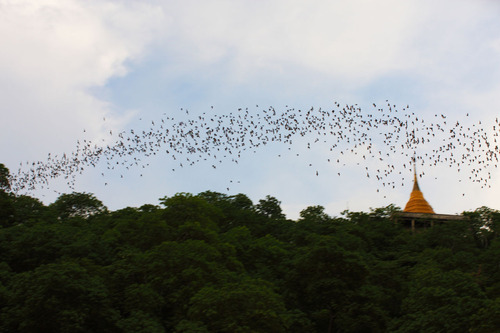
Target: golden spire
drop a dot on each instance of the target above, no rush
(417, 203)
(415, 182)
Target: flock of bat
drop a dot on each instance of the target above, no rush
(383, 139)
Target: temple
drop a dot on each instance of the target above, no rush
(417, 203)
(418, 213)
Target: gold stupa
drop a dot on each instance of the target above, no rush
(417, 203)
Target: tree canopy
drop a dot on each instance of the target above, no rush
(217, 263)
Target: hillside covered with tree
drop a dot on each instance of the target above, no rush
(217, 263)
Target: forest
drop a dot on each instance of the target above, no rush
(213, 262)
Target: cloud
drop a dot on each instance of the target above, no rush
(53, 53)
(334, 48)
(353, 41)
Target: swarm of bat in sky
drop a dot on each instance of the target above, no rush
(383, 140)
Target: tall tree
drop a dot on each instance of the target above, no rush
(439, 301)
(248, 305)
(6, 207)
(62, 297)
(77, 205)
(4, 177)
(270, 207)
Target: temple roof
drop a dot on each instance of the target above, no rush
(417, 203)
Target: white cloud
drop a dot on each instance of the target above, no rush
(350, 41)
(353, 40)
(53, 53)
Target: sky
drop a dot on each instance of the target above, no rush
(73, 70)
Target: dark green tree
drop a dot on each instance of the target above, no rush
(59, 297)
(270, 208)
(185, 207)
(487, 318)
(6, 208)
(325, 281)
(4, 178)
(314, 214)
(77, 204)
(28, 209)
(439, 301)
(246, 306)
(142, 307)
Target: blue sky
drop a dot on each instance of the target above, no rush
(66, 65)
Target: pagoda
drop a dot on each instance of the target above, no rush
(418, 213)
(417, 202)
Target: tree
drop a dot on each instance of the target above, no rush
(27, 209)
(488, 269)
(59, 297)
(315, 214)
(439, 301)
(239, 211)
(325, 280)
(4, 178)
(456, 235)
(142, 309)
(184, 207)
(137, 228)
(487, 319)
(484, 223)
(76, 204)
(178, 270)
(242, 202)
(141, 322)
(6, 207)
(249, 305)
(25, 247)
(270, 207)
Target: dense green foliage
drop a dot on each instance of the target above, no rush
(217, 263)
